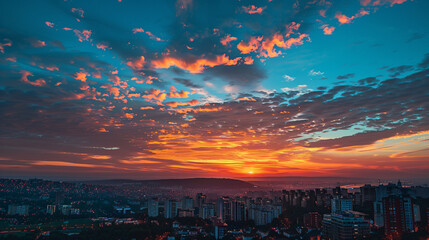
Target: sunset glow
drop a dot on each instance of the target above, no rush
(214, 89)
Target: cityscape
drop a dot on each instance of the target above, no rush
(214, 119)
(125, 209)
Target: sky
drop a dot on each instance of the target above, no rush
(187, 88)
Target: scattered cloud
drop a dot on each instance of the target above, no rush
(288, 78)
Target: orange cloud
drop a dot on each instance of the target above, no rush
(137, 30)
(267, 48)
(38, 43)
(344, 19)
(111, 89)
(2, 45)
(146, 108)
(49, 24)
(193, 102)
(134, 95)
(327, 30)
(151, 35)
(224, 41)
(82, 36)
(381, 2)
(252, 9)
(248, 60)
(11, 59)
(24, 77)
(137, 64)
(52, 68)
(78, 11)
(251, 46)
(155, 94)
(65, 164)
(81, 76)
(197, 66)
(129, 115)
(100, 157)
(209, 109)
(102, 46)
(247, 99)
(181, 94)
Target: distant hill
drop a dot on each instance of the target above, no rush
(212, 183)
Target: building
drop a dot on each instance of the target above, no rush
(339, 205)
(59, 198)
(220, 231)
(152, 208)
(344, 226)
(223, 208)
(51, 209)
(200, 199)
(263, 214)
(171, 207)
(185, 213)
(187, 203)
(238, 211)
(313, 220)
(378, 214)
(118, 209)
(207, 210)
(368, 193)
(18, 210)
(398, 215)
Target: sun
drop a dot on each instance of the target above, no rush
(250, 172)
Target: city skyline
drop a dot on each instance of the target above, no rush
(214, 89)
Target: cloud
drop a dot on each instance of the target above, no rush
(225, 40)
(245, 75)
(347, 76)
(186, 82)
(250, 46)
(151, 35)
(343, 19)
(24, 77)
(180, 94)
(245, 99)
(102, 46)
(315, 73)
(38, 43)
(396, 71)
(138, 63)
(194, 66)
(252, 9)
(288, 78)
(381, 2)
(8, 43)
(192, 102)
(78, 11)
(49, 24)
(268, 47)
(81, 76)
(327, 30)
(425, 61)
(82, 35)
(237, 124)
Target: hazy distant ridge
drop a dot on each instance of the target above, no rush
(213, 183)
